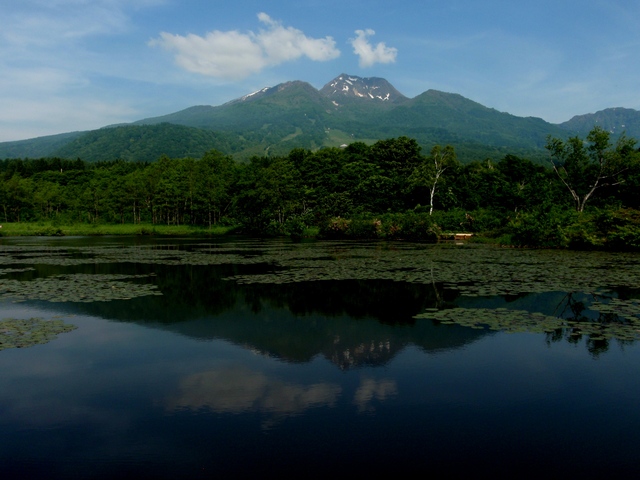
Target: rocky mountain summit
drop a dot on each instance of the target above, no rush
(351, 86)
(339, 90)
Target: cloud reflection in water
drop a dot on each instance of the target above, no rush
(370, 390)
(239, 389)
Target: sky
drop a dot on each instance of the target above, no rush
(75, 65)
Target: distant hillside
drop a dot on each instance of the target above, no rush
(275, 120)
(271, 121)
(439, 117)
(614, 120)
(37, 147)
(283, 103)
(144, 143)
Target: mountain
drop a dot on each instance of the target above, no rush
(275, 120)
(345, 87)
(37, 147)
(142, 142)
(452, 118)
(614, 120)
(251, 111)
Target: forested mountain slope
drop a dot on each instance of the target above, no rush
(37, 147)
(274, 120)
(146, 142)
(614, 120)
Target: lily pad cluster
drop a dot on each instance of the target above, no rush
(514, 321)
(22, 333)
(6, 271)
(627, 309)
(471, 270)
(77, 288)
(147, 254)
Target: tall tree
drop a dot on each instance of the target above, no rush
(270, 192)
(429, 172)
(525, 183)
(585, 167)
(216, 173)
(396, 158)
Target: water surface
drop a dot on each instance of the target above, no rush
(197, 358)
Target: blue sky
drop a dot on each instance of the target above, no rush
(68, 65)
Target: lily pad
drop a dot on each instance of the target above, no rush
(23, 333)
(515, 321)
(77, 288)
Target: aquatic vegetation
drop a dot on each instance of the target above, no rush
(476, 270)
(6, 271)
(468, 270)
(514, 321)
(22, 333)
(155, 254)
(472, 270)
(77, 288)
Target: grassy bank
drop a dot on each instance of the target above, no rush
(50, 229)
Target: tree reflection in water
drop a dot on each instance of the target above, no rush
(587, 322)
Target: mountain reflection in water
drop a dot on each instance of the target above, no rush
(352, 323)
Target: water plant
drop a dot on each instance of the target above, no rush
(23, 333)
(76, 288)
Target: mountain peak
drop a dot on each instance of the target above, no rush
(346, 86)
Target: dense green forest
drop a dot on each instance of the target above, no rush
(585, 196)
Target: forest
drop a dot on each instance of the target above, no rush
(584, 196)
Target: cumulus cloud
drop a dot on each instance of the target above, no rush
(370, 55)
(234, 55)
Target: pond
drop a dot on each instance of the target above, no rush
(193, 358)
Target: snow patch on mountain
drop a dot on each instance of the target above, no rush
(257, 92)
(369, 89)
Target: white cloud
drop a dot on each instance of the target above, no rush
(234, 55)
(370, 55)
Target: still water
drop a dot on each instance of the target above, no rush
(199, 358)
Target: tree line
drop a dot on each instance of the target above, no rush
(391, 189)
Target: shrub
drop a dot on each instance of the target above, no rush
(398, 226)
(411, 226)
(364, 228)
(295, 226)
(334, 228)
(582, 234)
(452, 220)
(481, 220)
(620, 228)
(274, 229)
(542, 228)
